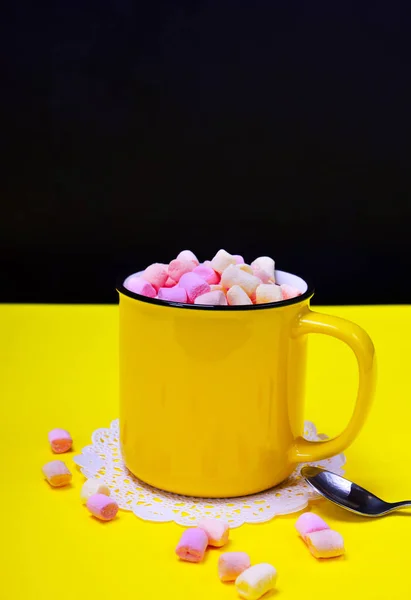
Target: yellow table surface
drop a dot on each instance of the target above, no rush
(58, 368)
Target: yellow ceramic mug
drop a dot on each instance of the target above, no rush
(212, 398)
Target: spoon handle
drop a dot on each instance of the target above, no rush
(404, 504)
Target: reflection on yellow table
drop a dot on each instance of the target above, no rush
(58, 368)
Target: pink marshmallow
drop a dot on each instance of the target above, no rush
(140, 286)
(156, 274)
(325, 544)
(208, 274)
(214, 298)
(232, 564)
(217, 531)
(103, 507)
(174, 294)
(177, 268)
(170, 283)
(194, 285)
(289, 291)
(192, 545)
(308, 523)
(239, 259)
(188, 255)
(60, 440)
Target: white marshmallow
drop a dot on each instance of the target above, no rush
(265, 264)
(233, 275)
(256, 581)
(237, 296)
(222, 260)
(268, 292)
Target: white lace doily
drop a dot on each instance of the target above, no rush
(103, 460)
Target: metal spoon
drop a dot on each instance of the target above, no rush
(347, 494)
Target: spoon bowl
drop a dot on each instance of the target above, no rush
(347, 494)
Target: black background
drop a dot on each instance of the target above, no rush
(134, 130)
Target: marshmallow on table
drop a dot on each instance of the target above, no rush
(178, 267)
(60, 440)
(208, 274)
(56, 473)
(102, 507)
(232, 564)
(325, 544)
(138, 285)
(93, 486)
(233, 275)
(217, 531)
(308, 523)
(256, 581)
(268, 292)
(236, 296)
(188, 255)
(156, 274)
(173, 294)
(194, 285)
(222, 260)
(289, 291)
(216, 298)
(192, 545)
(265, 267)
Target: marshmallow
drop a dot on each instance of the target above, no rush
(140, 286)
(289, 291)
(325, 544)
(60, 440)
(217, 531)
(262, 275)
(156, 274)
(177, 268)
(268, 292)
(238, 259)
(188, 255)
(232, 564)
(208, 274)
(102, 507)
(216, 288)
(233, 275)
(194, 285)
(256, 581)
(266, 265)
(93, 486)
(308, 523)
(246, 268)
(222, 260)
(170, 283)
(192, 545)
(56, 473)
(174, 294)
(237, 296)
(215, 298)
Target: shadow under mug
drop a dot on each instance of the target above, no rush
(212, 397)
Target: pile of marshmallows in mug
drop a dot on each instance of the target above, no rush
(251, 581)
(225, 280)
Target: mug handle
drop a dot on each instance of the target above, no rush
(360, 343)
